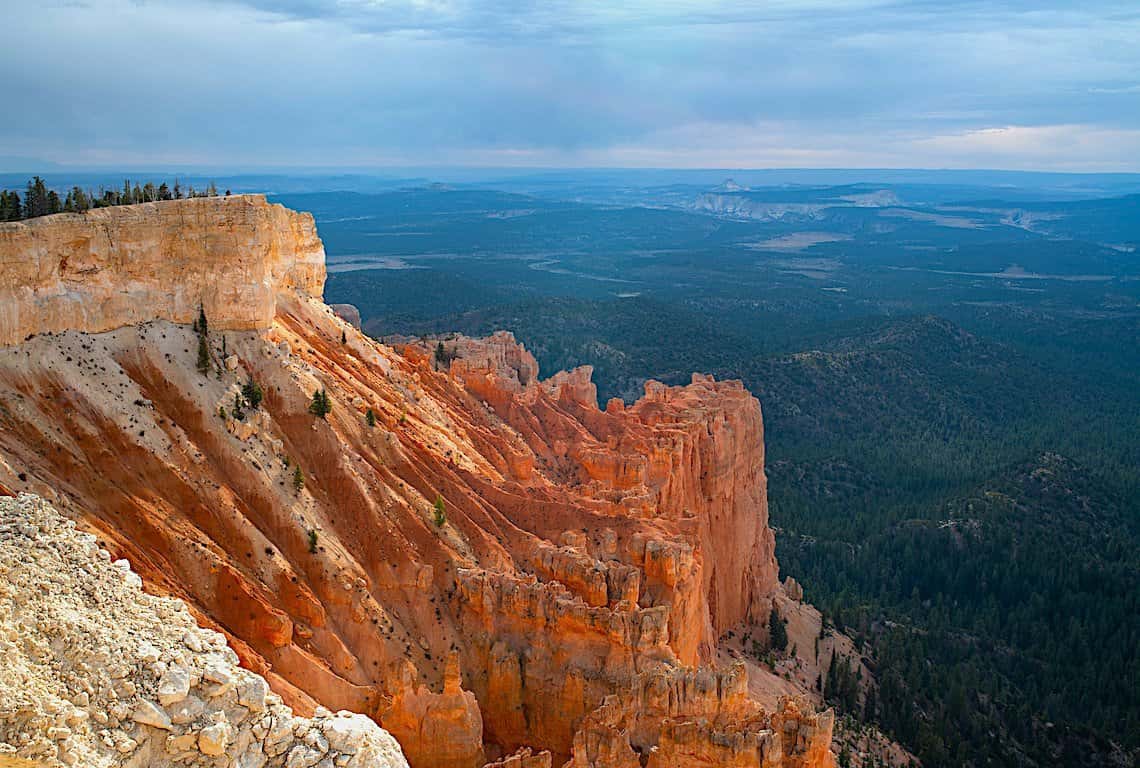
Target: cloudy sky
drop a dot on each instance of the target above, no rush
(1025, 84)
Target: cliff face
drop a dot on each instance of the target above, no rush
(496, 564)
(113, 267)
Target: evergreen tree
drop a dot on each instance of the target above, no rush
(202, 328)
(252, 393)
(177, 190)
(53, 203)
(203, 354)
(777, 631)
(10, 207)
(163, 191)
(76, 201)
(370, 418)
(439, 511)
(298, 479)
(36, 199)
(30, 201)
(320, 406)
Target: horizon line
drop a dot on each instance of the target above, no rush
(49, 167)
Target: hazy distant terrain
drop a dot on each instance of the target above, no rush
(949, 366)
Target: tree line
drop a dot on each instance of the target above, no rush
(39, 200)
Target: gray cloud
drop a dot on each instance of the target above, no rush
(365, 82)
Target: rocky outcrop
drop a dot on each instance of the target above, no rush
(495, 368)
(439, 729)
(489, 563)
(112, 267)
(348, 313)
(96, 673)
(685, 718)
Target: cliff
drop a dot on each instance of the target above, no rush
(113, 267)
(490, 564)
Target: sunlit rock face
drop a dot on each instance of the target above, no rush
(117, 266)
(487, 565)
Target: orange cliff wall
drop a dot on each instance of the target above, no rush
(690, 457)
(587, 556)
(118, 266)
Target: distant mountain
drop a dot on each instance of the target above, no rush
(729, 185)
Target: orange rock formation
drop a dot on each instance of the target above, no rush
(497, 570)
(111, 267)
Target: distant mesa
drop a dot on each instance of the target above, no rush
(730, 185)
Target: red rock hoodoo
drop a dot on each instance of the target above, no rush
(496, 570)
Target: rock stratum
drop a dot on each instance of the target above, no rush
(112, 267)
(490, 566)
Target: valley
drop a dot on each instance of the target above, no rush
(909, 368)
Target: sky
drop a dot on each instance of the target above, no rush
(1012, 84)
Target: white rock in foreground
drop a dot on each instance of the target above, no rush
(96, 673)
